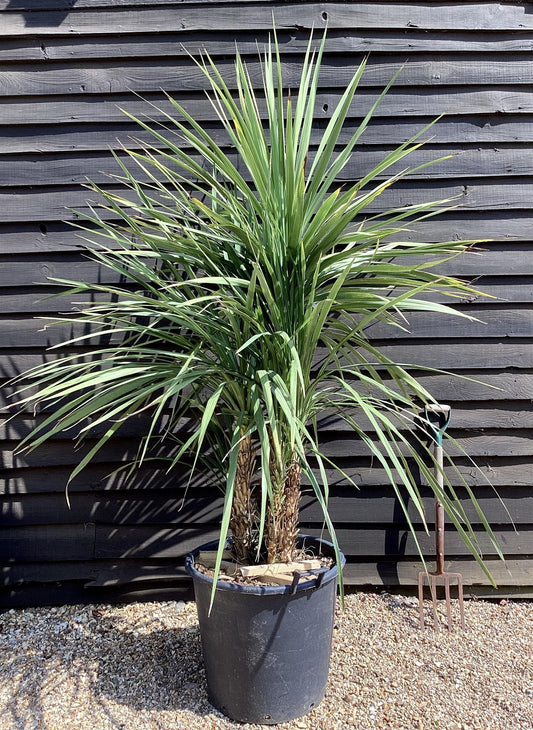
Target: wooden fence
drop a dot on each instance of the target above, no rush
(66, 68)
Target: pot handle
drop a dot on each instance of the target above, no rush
(318, 572)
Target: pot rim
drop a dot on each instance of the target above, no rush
(330, 575)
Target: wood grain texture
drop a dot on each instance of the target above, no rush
(57, 169)
(504, 473)
(399, 103)
(500, 292)
(491, 323)
(258, 15)
(504, 240)
(74, 138)
(348, 506)
(218, 43)
(180, 76)
(500, 411)
(54, 203)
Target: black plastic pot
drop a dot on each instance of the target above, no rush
(267, 649)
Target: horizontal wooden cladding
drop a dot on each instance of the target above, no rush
(79, 542)
(500, 412)
(348, 506)
(135, 575)
(491, 323)
(470, 386)
(401, 103)
(36, 299)
(291, 41)
(428, 163)
(180, 75)
(405, 573)
(339, 447)
(68, 67)
(505, 252)
(74, 138)
(45, 204)
(514, 355)
(87, 18)
(503, 473)
(132, 572)
(93, 572)
(75, 592)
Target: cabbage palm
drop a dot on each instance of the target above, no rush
(247, 282)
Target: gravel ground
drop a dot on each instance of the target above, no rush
(139, 667)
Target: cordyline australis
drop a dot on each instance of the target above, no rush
(247, 282)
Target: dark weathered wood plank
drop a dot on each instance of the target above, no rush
(32, 271)
(444, 355)
(474, 444)
(405, 573)
(491, 322)
(511, 257)
(41, 204)
(97, 572)
(454, 356)
(432, 163)
(76, 592)
(471, 15)
(47, 542)
(40, 238)
(479, 361)
(151, 586)
(143, 541)
(72, 138)
(500, 412)
(35, 300)
(335, 446)
(292, 42)
(179, 76)
(56, 109)
(100, 478)
(140, 541)
(502, 473)
(368, 505)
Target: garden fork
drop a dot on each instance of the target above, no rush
(437, 420)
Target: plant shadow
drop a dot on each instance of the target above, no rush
(164, 666)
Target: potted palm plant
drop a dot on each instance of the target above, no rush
(246, 280)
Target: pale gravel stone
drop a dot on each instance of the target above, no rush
(139, 666)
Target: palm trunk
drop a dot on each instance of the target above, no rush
(282, 525)
(242, 510)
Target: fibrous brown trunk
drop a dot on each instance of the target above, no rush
(282, 524)
(242, 517)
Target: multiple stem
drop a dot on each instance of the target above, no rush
(282, 512)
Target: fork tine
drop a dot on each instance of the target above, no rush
(448, 600)
(461, 603)
(434, 601)
(421, 598)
